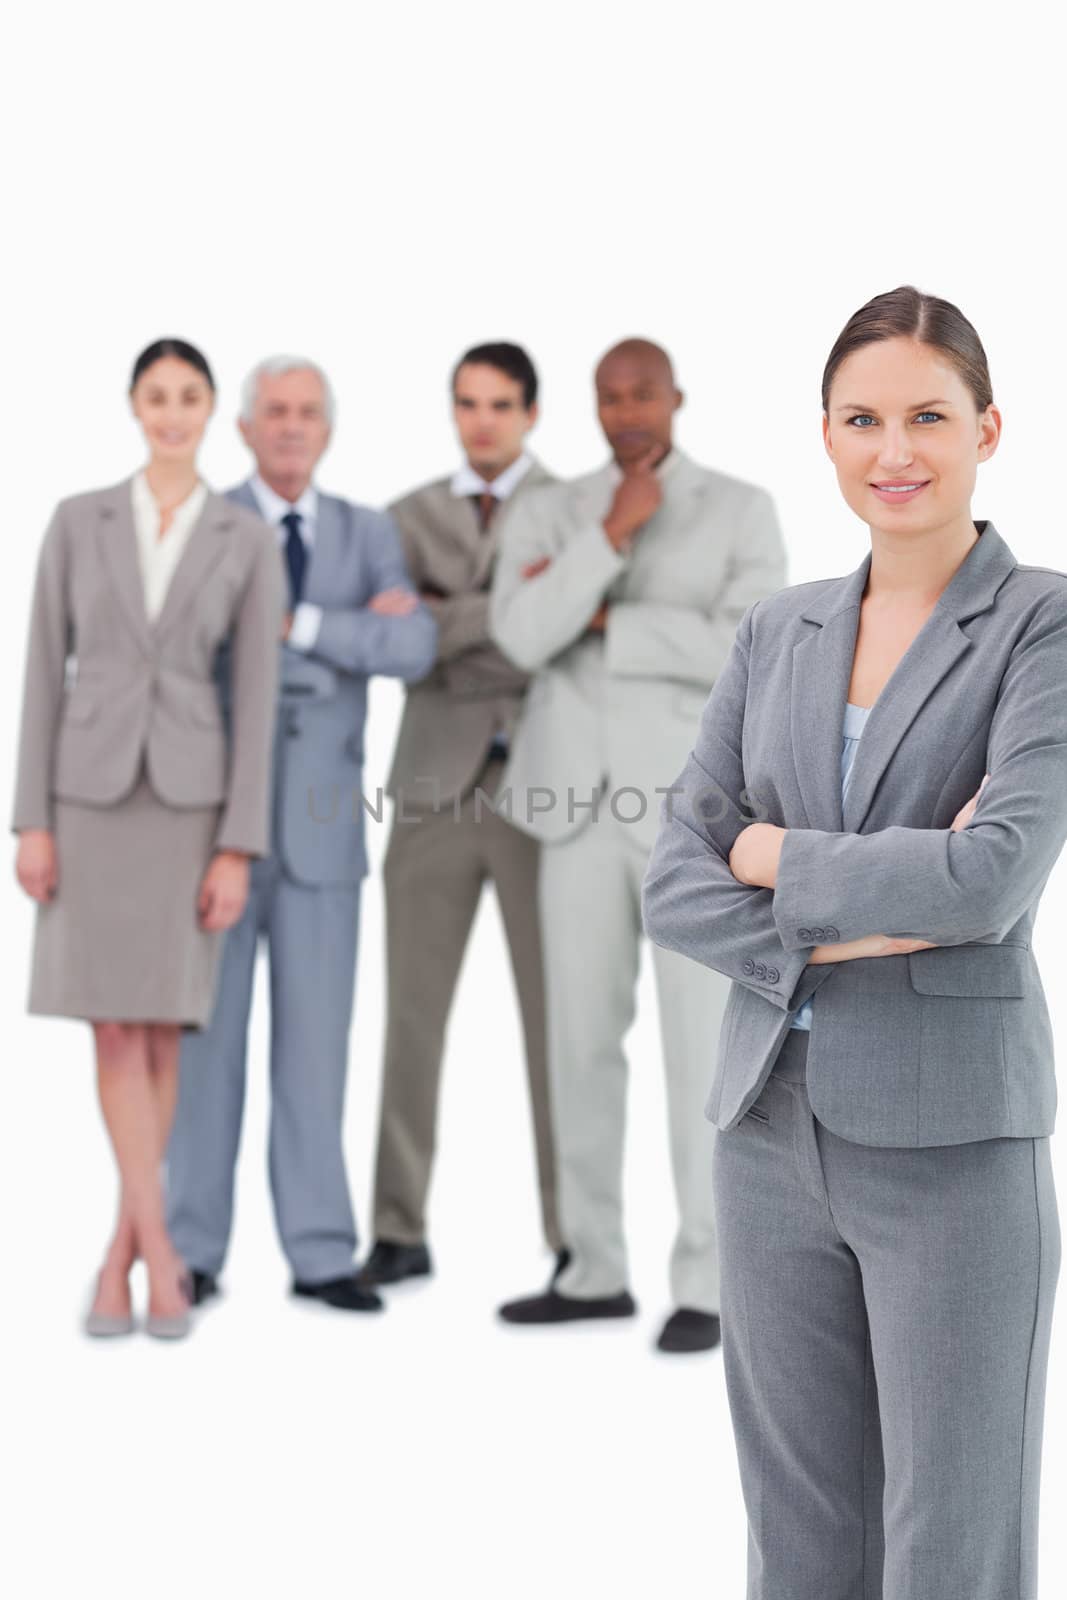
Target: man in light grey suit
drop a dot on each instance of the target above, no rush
(352, 613)
(446, 845)
(622, 591)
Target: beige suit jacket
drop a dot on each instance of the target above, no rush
(105, 686)
(473, 691)
(617, 711)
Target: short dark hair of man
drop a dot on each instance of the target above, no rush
(510, 359)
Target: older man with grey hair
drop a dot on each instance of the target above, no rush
(352, 613)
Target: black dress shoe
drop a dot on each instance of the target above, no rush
(687, 1330)
(563, 1261)
(347, 1294)
(390, 1262)
(201, 1286)
(553, 1307)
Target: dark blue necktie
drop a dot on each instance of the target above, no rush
(295, 557)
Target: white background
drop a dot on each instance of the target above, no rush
(380, 187)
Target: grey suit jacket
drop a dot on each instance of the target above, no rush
(473, 691)
(617, 711)
(942, 1046)
(105, 685)
(319, 810)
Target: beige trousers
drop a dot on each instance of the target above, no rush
(591, 915)
(435, 870)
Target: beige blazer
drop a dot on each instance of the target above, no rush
(105, 686)
(614, 714)
(473, 691)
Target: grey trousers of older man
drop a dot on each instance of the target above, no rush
(886, 1317)
(590, 895)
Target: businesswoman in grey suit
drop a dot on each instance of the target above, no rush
(135, 822)
(884, 1089)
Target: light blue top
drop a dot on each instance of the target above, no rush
(855, 717)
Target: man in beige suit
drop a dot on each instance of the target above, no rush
(447, 840)
(622, 591)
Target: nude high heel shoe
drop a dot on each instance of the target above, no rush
(176, 1327)
(99, 1325)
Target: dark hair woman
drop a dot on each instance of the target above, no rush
(884, 1091)
(135, 821)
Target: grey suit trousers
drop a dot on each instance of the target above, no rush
(312, 934)
(590, 890)
(886, 1316)
(435, 871)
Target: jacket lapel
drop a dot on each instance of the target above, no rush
(204, 549)
(327, 549)
(459, 517)
(822, 667)
(325, 561)
(245, 495)
(485, 547)
(117, 540)
(457, 514)
(588, 498)
(536, 474)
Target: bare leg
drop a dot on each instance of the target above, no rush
(112, 1297)
(113, 1290)
(164, 1041)
(164, 1044)
(131, 1108)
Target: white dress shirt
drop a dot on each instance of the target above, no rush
(466, 481)
(160, 555)
(304, 629)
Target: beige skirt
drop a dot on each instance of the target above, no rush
(121, 941)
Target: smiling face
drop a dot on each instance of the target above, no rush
(288, 430)
(172, 401)
(492, 417)
(906, 436)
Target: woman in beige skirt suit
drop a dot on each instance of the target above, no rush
(136, 811)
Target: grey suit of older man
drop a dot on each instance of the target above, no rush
(886, 1214)
(304, 900)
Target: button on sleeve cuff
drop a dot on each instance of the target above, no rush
(776, 978)
(796, 893)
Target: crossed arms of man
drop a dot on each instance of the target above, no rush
(467, 661)
(392, 635)
(550, 588)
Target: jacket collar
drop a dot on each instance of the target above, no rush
(117, 538)
(675, 470)
(971, 589)
(466, 481)
(822, 667)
